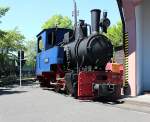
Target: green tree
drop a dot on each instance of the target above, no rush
(13, 40)
(59, 21)
(31, 53)
(115, 34)
(10, 41)
(3, 11)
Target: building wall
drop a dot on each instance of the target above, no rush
(143, 46)
(130, 19)
(146, 45)
(139, 34)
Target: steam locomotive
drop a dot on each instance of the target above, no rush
(74, 61)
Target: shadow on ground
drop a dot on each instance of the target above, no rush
(105, 101)
(16, 83)
(6, 91)
(23, 83)
(100, 100)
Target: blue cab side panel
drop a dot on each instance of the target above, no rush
(45, 59)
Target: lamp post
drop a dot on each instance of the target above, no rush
(20, 69)
(20, 62)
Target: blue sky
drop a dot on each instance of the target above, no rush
(29, 15)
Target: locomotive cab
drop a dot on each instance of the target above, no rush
(49, 51)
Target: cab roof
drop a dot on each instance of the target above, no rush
(50, 29)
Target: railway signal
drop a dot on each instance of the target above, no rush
(21, 56)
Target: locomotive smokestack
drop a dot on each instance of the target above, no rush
(95, 20)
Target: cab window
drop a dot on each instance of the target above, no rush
(40, 44)
(52, 38)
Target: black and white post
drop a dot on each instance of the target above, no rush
(20, 69)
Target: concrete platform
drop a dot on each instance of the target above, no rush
(140, 103)
(143, 99)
